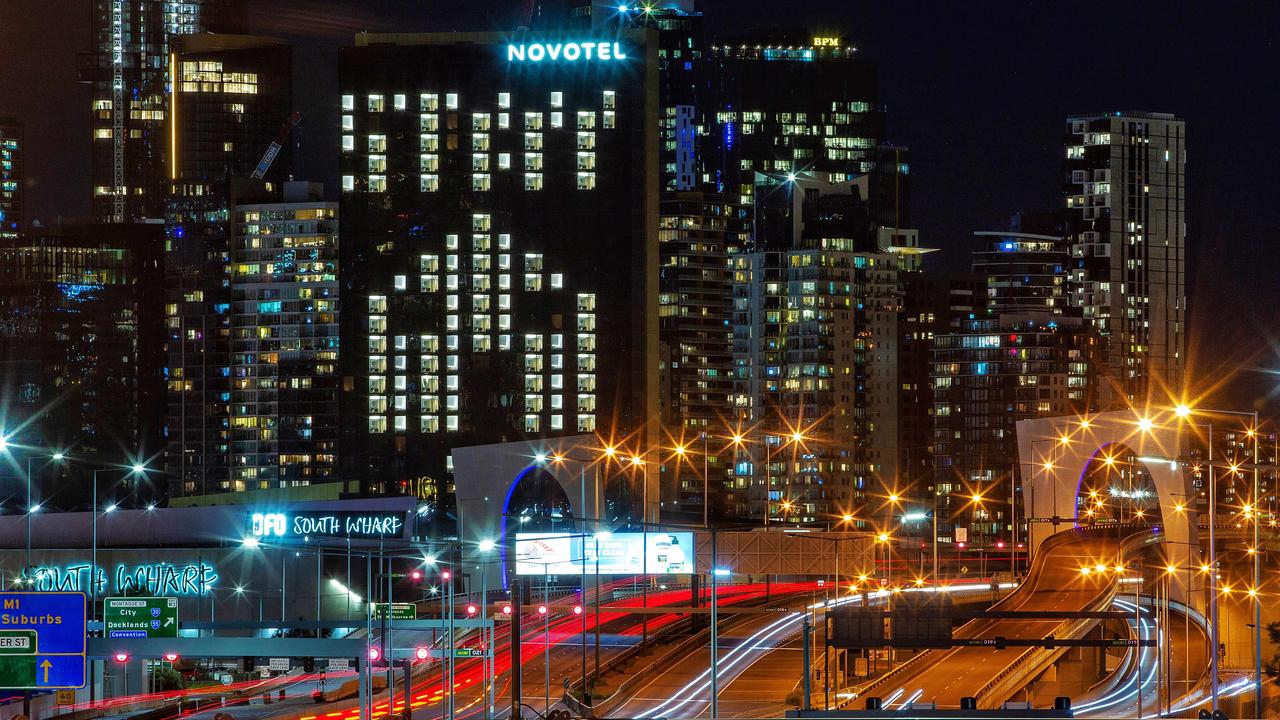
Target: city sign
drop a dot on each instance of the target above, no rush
(152, 579)
(633, 553)
(399, 611)
(826, 41)
(140, 617)
(350, 524)
(567, 51)
(52, 626)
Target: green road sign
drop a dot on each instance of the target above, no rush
(17, 642)
(140, 617)
(399, 611)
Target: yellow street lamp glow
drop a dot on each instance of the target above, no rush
(1108, 460)
(1251, 551)
(797, 437)
(1234, 468)
(1249, 432)
(1119, 568)
(1065, 440)
(1093, 493)
(1171, 569)
(1179, 507)
(1048, 465)
(1253, 592)
(1088, 512)
(977, 497)
(1226, 589)
(853, 588)
(679, 450)
(1085, 570)
(1145, 424)
(847, 518)
(919, 582)
(1182, 410)
(1084, 423)
(610, 451)
(636, 460)
(1101, 567)
(883, 537)
(863, 577)
(893, 497)
(737, 439)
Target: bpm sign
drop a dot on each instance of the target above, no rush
(318, 523)
(567, 51)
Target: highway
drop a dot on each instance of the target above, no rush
(760, 661)
(1056, 583)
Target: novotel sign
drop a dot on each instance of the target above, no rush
(316, 523)
(567, 51)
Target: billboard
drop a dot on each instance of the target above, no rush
(632, 553)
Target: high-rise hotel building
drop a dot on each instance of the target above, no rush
(499, 214)
(1125, 187)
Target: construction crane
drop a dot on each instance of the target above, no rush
(274, 148)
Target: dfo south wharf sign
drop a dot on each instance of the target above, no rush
(565, 51)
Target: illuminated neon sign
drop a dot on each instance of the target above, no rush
(567, 51)
(826, 41)
(149, 579)
(336, 524)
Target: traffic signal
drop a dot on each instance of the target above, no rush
(506, 609)
(416, 575)
(122, 657)
(472, 609)
(171, 657)
(247, 663)
(577, 609)
(542, 609)
(374, 653)
(422, 653)
(308, 664)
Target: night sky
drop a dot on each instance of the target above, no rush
(977, 90)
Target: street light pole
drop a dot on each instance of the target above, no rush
(1213, 579)
(1257, 577)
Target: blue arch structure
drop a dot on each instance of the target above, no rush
(1051, 491)
(486, 477)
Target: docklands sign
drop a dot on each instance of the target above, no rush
(567, 51)
(336, 524)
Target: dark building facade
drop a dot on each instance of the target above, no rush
(698, 234)
(130, 69)
(80, 348)
(811, 322)
(1024, 272)
(997, 370)
(284, 340)
(932, 304)
(1124, 179)
(12, 148)
(499, 254)
(232, 96)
